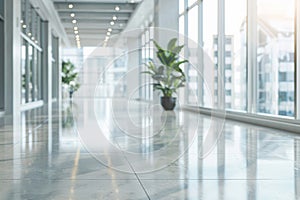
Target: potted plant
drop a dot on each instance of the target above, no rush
(167, 74)
(70, 77)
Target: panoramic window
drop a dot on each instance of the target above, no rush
(210, 47)
(275, 57)
(31, 56)
(235, 79)
(193, 79)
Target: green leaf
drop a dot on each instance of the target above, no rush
(172, 44)
(157, 45)
(177, 49)
(147, 72)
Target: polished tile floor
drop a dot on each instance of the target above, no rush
(117, 149)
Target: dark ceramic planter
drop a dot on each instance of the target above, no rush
(168, 103)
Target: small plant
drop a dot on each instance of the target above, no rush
(70, 77)
(168, 74)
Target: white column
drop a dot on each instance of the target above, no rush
(47, 64)
(133, 75)
(297, 68)
(166, 17)
(12, 55)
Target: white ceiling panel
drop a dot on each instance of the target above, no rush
(94, 20)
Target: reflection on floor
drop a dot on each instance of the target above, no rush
(114, 149)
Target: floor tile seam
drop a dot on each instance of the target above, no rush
(77, 179)
(141, 184)
(194, 179)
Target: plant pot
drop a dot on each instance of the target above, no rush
(168, 103)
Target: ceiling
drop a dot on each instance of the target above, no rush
(97, 21)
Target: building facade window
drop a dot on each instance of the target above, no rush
(272, 75)
(275, 57)
(31, 54)
(235, 54)
(210, 46)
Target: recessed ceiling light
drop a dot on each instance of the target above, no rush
(36, 41)
(77, 36)
(32, 38)
(106, 38)
(112, 23)
(72, 14)
(22, 21)
(132, 1)
(29, 34)
(109, 29)
(75, 28)
(70, 6)
(24, 26)
(74, 21)
(115, 17)
(117, 8)
(108, 33)
(121, 25)
(76, 32)
(77, 39)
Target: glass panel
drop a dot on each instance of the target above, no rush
(191, 2)
(39, 75)
(210, 47)
(181, 6)
(1, 55)
(29, 74)
(275, 57)
(192, 74)
(2, 8)
(235, 55)
(31, 59)
(181, 25)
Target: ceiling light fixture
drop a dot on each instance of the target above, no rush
(29, 34)
(70, 6)
(106, 38)
(24, 26)
(109, 29)
(76, 32)
(75, 28)
(32, 38)
(22, 21)
(115, 17)
(117, 8)
(108, 33)
(112, 23)
(74, 21)
(72, 14)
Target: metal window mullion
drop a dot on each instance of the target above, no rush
(251, 57)
(25, 37)
(33, 74)
(297, 60)
(186, 48)
(201, 55)
(27, 73)
(221, 54)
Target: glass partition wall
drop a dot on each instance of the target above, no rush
(253, 54)
(31, 54)
(146, 54)
(2, 55)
